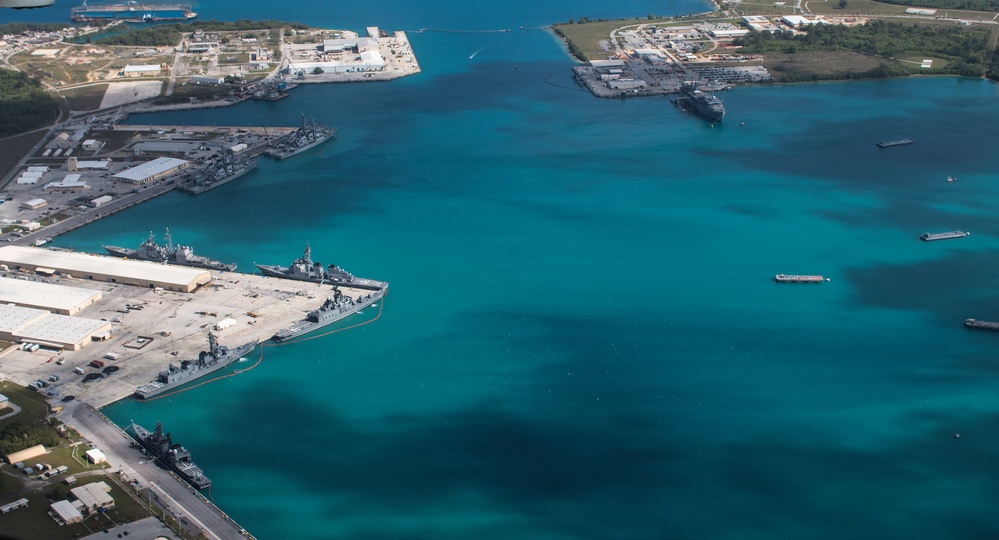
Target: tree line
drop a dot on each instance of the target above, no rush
(169, 34)
(965, 49)
(20, 435)
(972, 5)
(23, 104)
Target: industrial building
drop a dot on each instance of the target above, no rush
(40, 295)
(26, 454)
(139, 71)
(86, 266)
(4, 402)
(34, 204)
(65, 513)
(93, 497)
(29, 325)
(69, 183)
(152, 170)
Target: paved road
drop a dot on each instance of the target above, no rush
(192, 510)
(145, 193)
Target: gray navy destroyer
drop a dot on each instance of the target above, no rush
(305, 269)
(149, 250)
(333, 309)
(215, 358)
(174, 456)
(216, 173)
(695, 100)
(309, 136)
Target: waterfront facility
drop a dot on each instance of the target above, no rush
(50, 297)
(29, 325)
(86, 266)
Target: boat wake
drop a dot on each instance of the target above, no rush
(471, 56)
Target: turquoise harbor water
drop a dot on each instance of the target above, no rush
(582, 337)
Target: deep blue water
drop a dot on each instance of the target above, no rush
(583, 338)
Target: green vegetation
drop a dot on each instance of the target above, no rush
(583, 37)
(87, 98)
(15, 148)
(965, 49)
(169, 34)
(973, 5)
(19, 435)
(23, 103)
(34, 521)
(18, 27)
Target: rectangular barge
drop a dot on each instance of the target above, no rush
(131, 12)
(794, 278)
(929, 237)
(900, 142)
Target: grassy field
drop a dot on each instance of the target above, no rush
(15, 148)
(587, 36)
(34, 522)
(34, 408)
(87, 98)
(823, 64)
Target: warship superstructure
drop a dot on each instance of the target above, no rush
(174, 456)
(309, 136)
(693, 99)
(218, 173)
(332, 310)
(215, 358)
(149, 250)
(305, 269)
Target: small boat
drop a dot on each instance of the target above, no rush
(951, 178)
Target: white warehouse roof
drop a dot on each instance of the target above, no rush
(39, 326)
(47, 296)
(82, 265)
(141, 69)
(150, 168)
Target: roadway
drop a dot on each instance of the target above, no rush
(190, 508)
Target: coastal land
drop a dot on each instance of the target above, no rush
(779, 42)
(173, 325)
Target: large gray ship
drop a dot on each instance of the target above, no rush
(171, 455)
(215, 358)
(333, 309)
(309, 136)
(149, 250)
(305, 269)
(218, 173)
(692, 99)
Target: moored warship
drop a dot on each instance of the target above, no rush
(215, 358)
(149, 250)
(219, 173)
(695, 100)
(333, 309)
(305, 269)
(309, 136)
(172, 455)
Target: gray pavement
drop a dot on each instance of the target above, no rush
(159, 485)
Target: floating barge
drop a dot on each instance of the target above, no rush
(899, 142)
(131, 12)
(796, 278)
(983, 325)
(929, 237)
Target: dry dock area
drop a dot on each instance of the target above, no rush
(154, 328)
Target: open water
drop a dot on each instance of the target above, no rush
(582, 338)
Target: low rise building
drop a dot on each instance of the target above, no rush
(141, 71)
(152, 170)
(34, 204)
(26, 454)
(65, 513)
(94, 496)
